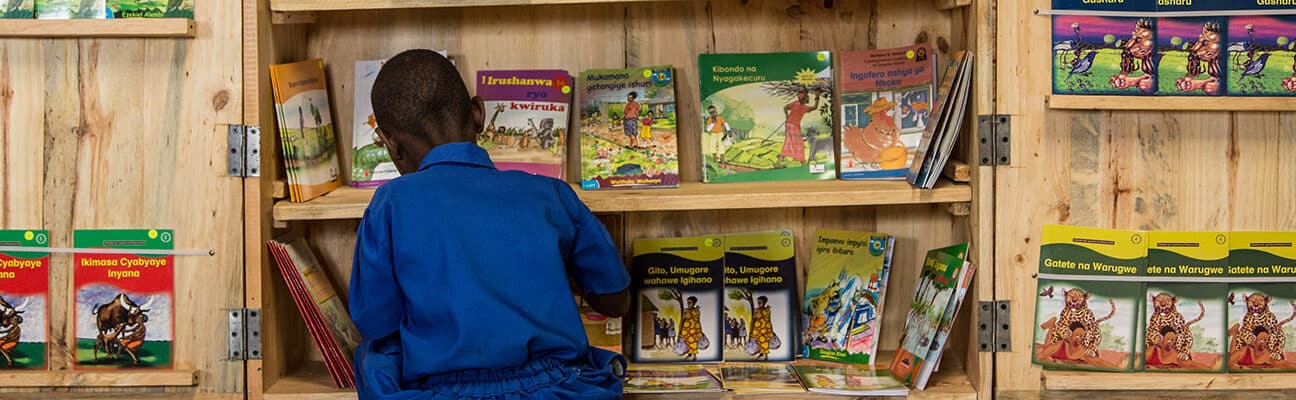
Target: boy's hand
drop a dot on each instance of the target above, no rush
(613, 305)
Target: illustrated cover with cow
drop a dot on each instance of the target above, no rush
(944, 280)
(124, 302)
(886, 97)
(24, 299)
(845, 294)
(1184, 321)
(1087, 308)
(628, 128)
(20, 9)
(767, 117)
(1261, 335)
(151, 8)
(1104, 55)
(1191, 51)
(70, 9)
(1262, 54)
(677, 289)
(526, 124)
(760, 308)
(305, 128)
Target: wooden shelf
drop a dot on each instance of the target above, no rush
(342, 5)
(33, 379)
(1095, 381)
(104, 28)
(1169, 103)
(349, 203)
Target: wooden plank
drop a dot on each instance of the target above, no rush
(99, 379)
(101, 28)
(957, 171)
(980, 27)
(1170, 103)
(948, 4)
(1077, 380)
(22, 98)
(338, 5)
(306, 17)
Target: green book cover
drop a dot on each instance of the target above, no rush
(760, 296)
(18, 9)
(151, 8)
(939, 289)
(845, 294)
(1184, 324)
(1262, 302)
(24, 299)
(677, 289)
(124, 302)
(767, 116)
(628, 128)
(70, 9)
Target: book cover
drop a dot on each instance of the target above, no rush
(886, 99)
(305, 128)
(151, 8)
(322, 292)
(330, 344)
(71, 9)
(1262, 302)
(124, 302)
(767, 117)
(1087, 308)
(760, 284)
(678, 291)
(850, 380)
(527, 125)
(925, 173)
(1184, 325)
(1191, 52)
(628, 128)
(845, 295)
(928, 142)
(755, 378)
(1261, 55)
(1104, 55)
(946, 325)
(371, 165)
(670, 379)
(19, 9)
(938, 284)
(24, 299)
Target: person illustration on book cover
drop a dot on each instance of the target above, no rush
(690, 330)
(630, 119)
(10, 329)
(1071, 350)
(718, 128)
(1165, 354)
(762, 331)
(793, 140)
(645, 131)
(1257, 354)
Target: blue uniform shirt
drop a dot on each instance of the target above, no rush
(469, 265)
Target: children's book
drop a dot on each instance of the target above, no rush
(628, 128)
(1184, 326)
(1191, 51)
(767, 117)
(939, 137)
(886, 98)
(1262, 302)
(757, 378)
(848, 380)
(151, 8)
(678, 290)
(760, 284)
(1105, 55)
(371, 165)
(670, 379)
(324, 312)
(1087, 306)
(24, 299)
(944, 95)
(1261, 54)
(124, 302)
(845, 295)
(305, 128)
(71, 9)
(527, 125)
(20, 9)
(939, 288)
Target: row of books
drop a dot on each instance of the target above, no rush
(1119, 300)
(323, 311)
(763, 378)
(96, 9)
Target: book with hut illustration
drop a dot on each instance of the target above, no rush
(760, 287)
(677, 289)
(24, 299)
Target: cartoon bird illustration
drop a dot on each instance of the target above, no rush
(1047, 292)
(1083, 64)
(1254, 67)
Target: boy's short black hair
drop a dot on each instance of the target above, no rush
(1169, 329)
(419, 92)
(711, 107)
(634, 95)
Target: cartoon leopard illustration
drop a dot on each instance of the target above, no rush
(1259, 314)
(1076, 310)
(1165, 314)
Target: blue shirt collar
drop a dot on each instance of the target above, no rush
(467, 153)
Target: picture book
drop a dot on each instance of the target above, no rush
(305, 128)
(371, 165)
(1262, 302)
(1184, 327)
(1087, 309)
(669, 379)
(527, 128)
(767, 117)
(1191, 53)
(886, 99)
(1261, 55)
(845, 295)
(323, 310)
(124, 300)
(151, 8)
(70, 9)
(939, 288)
(628, 128)
(934, 355)
(24, 299)
(19, 9)
(760, 284)
(927, 169)
(756, 378)
(848, 380)
(1105, 55)
(678, 289)
(941, 114)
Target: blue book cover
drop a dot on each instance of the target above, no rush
(1190, 55)
(1261, 55)
(1094, 55)
(1110, 5)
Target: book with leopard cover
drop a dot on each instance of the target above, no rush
(1185, 295)
(1262, 302)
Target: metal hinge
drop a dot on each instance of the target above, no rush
(245, 334)
(994, 139)
(994, 327)
(244, 151)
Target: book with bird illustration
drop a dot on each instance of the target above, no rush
(71, 9)
(1102, 54)
(124, 301)
(1184, 318)
(1262, 302)
(677, 291)
(942, 284)
(526, 125)
(151, 8)
(628, 128)
(767, 116)
(886, 101)
(760, 285)
(845, 295)
(1262, 54)
(24, 299)
(305, 128)
(18, 9)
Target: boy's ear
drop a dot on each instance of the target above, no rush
(393, 146)
(478, 114)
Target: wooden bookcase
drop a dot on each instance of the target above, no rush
(582, 34)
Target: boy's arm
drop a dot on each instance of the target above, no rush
(377, 303)
(594, 260)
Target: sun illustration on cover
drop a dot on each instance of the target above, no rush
(806, 77)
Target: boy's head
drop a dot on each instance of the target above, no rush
(632, 96)
(420, 102)
(712, 110)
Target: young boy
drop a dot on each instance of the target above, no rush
(459, 283)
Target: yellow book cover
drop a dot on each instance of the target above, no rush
(305, 128)
(677, 289)
(1183, 325)
(1262, 302)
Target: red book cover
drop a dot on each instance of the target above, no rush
(124, 302)
(24, 300)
